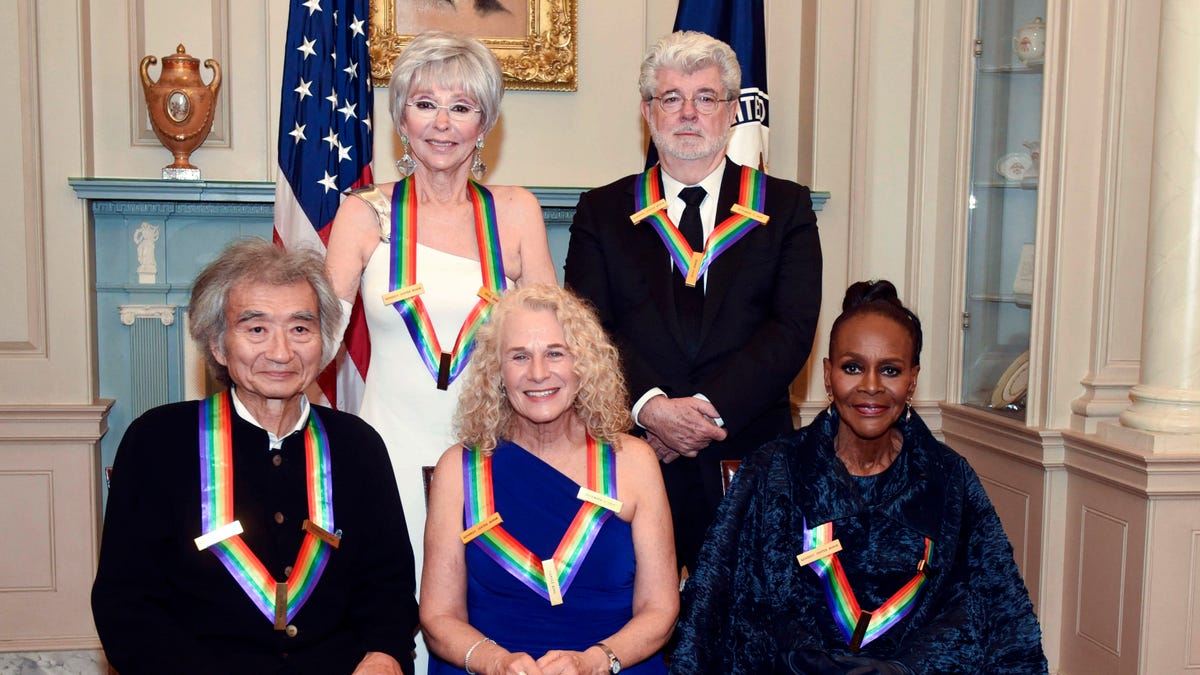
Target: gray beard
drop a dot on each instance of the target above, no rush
(667, 146)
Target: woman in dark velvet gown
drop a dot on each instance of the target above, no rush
(859, 544)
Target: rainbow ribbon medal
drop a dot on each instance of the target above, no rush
(747, 213)
(406, 293)
(548, 578)
(278, 601)
(859, 627)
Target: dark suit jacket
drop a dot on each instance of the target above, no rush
(760, 309)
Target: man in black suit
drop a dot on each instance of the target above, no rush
(708, 363)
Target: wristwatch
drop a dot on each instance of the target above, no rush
(614, 664)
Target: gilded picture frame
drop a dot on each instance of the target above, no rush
(541, 54)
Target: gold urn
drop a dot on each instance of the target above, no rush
(181, 107)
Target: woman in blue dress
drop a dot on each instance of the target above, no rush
(548, 540)
(859, 544)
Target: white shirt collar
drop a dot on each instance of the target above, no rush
(711, 183)
(276, 442)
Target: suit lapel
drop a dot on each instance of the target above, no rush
(649, 255)
(722, 272)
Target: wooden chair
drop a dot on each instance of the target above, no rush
(426, 476)
(728, 468)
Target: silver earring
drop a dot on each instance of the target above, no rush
(503, 389)
(908, 411)
(478, 168)
(406, 165)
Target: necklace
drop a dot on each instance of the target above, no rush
(858, 627)
(406, 292)
(747, 214)
(552, 577)
(278, 601)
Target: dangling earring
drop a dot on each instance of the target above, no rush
(908, 410)
(478, 168)
(406, 165)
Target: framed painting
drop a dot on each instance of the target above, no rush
(534, 40)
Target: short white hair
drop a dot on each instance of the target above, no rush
(688, 51)
(449, 60)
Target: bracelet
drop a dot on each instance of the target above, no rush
(467, 661)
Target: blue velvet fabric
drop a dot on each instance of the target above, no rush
(751, 608)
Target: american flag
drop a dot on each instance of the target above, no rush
(325, 149)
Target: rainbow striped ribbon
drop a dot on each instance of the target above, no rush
(510, 553)
(860, 628)
(747, 213)
(216, 510)
(444, 367)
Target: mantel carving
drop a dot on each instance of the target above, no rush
(131, 313)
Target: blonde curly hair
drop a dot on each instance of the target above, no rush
(484, 414)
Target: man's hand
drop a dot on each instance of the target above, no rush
(665, 455)
(378, 663)
(684, 425)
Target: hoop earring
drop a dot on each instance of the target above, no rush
(406, 165)
(478, 168)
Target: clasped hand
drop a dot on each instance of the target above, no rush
(553, 662)
(679, 427)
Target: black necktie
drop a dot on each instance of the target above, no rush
(689, 300)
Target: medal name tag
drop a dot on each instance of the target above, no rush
(750, 213)
(281, 605)
(321, 533)
(660, 205)
(693, 273)
(550, 569)
(405, 293)
(481, 527)
(823, 551)
(488, 295)
(218, 535)
(601, 500)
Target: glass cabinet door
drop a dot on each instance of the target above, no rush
(1002, 218)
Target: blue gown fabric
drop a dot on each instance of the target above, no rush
(538, 504)
(751, 608)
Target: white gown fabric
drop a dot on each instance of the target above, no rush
(401, 399)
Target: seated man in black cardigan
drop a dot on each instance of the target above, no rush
(254, 532)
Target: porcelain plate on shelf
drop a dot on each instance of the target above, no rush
(1014, 165)
(1013, 383)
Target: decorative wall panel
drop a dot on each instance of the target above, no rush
(1103, 540)
(28, 560)
(22, 333)
(1191, 627)
(1012, 505)
(141, 15)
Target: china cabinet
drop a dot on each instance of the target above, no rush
(1009, 48)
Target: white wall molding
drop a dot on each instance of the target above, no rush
(22, 272)
(48, 422)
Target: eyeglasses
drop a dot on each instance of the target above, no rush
(705, 104)
(459, 112)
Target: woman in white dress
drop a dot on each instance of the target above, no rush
(468, 242)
